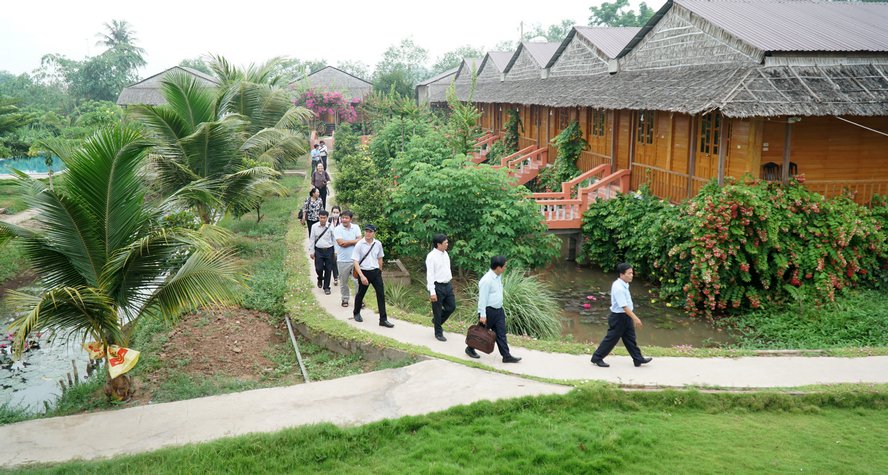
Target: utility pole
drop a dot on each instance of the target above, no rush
(521, 30)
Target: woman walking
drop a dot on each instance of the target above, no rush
(312, 206)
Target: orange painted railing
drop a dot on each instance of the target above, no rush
(504, 162)
(568, 188)
(561, 211)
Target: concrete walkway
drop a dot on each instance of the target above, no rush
(746, 372)
(425, 387)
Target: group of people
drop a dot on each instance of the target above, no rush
(338, 249)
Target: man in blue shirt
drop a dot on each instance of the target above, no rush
(490, 308)
(622, 321)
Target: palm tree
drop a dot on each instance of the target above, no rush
(222, 149)
(101, 255)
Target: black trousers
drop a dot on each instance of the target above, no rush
(619, 325)
(496, 321)
(444, 307)
(324, 161)
(323, 191)
(374, 278)
(324, 266)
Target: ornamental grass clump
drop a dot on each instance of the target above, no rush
(530, 305)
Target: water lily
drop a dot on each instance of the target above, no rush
(587, 306)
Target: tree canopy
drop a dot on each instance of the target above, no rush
(618, 13)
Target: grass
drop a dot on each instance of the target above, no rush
(859, 318)
(9, 197)
(595, 429)
(12, 260)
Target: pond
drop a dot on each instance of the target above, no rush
(585, 295)
(29, 165)
(29, 382)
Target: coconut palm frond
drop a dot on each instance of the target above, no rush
(295, 118)
(212, 150)
(191, 101)
(166, 127)
(83, 310)
(206, 278)
(103, 175)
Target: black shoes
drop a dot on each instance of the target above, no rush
(511, 359)
(440, 338)
(600, 362)
(387, 324)
(320, 285)
(471, 352)
(358, 317)
(641, 361)
(327, 291)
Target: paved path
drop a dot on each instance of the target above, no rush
(19, 218)
(421, 388)
(746, 372)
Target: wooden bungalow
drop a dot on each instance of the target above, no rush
(721, 89)
(147, 91)
(433, 91)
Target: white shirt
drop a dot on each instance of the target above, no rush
(437, 269)
(324, 239)
(372, 260)
(352, 232)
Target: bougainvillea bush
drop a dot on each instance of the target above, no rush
(742, 245)
(334, 103)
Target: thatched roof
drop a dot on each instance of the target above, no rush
(763, 91)
(446, 76)
(147, 91)
(335, 79)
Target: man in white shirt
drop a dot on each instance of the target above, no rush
(367, 257)
(322, 152)
(622, 321)
(346, 235)
(438, 277)
(320, 242)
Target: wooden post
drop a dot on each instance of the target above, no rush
(670, 139)
(787, 144)
(633, 123)
(723, 131)
(692, 155)
(615, 136)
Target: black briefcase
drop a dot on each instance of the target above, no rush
(481, 338)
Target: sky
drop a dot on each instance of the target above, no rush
(255, 31)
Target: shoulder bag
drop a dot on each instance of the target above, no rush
(355, 270)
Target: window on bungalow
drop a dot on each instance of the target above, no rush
(645, 129)
(597, 122)
(563, 118)
(710, 130)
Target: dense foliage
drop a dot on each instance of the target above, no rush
(741, 245)
(570, 144)
(514, 129)
(479, 208)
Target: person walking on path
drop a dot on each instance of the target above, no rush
(311, 208)
(315, 156)
(438, 277)
(490, 308)
(321, 250)
(322, 150)
(367, 257)
(346, 235)
(319, 179)
(333, 221)
(622, 321)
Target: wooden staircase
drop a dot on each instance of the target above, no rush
(564, 210)
(482, 146)
(525, 164)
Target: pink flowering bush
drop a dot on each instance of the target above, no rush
(334, 103)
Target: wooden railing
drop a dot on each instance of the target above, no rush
(505, 160)
(862, 190)
(524, 142)
(535, 158)
(565, 212)
(666, 184)
(569, 188)
(590, 159)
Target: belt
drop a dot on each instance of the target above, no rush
(442, 283)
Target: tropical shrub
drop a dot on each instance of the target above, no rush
(570, 144)
(741, 246)
(496, 152)
(478, 208)
(432, 148)
(346, 141)
(393, 138)
(332, 103)
(462, 122)
(364, 189)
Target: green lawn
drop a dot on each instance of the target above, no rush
(9, 197)
(591, 430)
